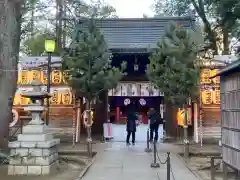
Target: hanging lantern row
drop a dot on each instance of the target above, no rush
(210, 87)
(25, 77)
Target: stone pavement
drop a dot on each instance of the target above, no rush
(116, 161)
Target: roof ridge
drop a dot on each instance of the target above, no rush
(144, 19)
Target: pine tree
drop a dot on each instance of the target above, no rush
(173, 67)
(89, 66)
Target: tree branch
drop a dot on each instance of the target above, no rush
(211, 36)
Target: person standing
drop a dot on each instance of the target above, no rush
(131, 123)
(155, 121)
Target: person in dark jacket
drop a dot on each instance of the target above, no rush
(155, 120)
(131, 123)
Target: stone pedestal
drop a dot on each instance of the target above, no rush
(34, 153)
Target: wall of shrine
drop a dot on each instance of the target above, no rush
(210, 96)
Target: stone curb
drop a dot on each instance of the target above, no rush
(194, 173)
(201, 154)
(75, 153)
(85, 170)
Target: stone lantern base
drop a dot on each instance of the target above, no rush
(34, 153)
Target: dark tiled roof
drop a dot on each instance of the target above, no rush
(136, 33)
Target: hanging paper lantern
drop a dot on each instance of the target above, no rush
(45, 101)
(19, 77)
(56, 77)
(35, 75)
(66, 77)
(28, 100)
(180, 117)
(207, 97)
(205, 76)
(23, 101)
(24, 77)
(17, 99)
(213, 73)
(44, 77)
(67, 97)
(216, 97)
(56, 98)
(29, 76)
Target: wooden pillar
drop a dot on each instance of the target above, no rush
(195, 124)
(117, 116)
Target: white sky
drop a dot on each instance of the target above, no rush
(132, 8)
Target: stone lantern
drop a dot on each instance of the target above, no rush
(35, 151)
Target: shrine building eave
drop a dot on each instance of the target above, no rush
(135, 35)
(229, 69)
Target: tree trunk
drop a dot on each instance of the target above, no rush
(9, 54)
(210, 34)
(59, 31)
(32, 16)
(89, 129)
(225, 40)
(185, 128)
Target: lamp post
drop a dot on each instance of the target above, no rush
(49, 48)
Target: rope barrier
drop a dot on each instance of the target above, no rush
(155, 164)
(165, 162)
(169, 167)
(148, 149)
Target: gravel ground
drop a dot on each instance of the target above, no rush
(70, 168)
(201, 166)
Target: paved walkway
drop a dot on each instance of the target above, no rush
(118, 162)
